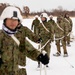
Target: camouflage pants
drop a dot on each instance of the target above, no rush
(68, 39)
(35, 31)
(63, 41)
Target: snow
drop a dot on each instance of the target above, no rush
(58, 65)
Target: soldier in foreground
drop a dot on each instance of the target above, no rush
(13, 45)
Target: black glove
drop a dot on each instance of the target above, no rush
(39, 40)
(44, 59)
(1, 62)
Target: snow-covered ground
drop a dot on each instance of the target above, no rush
(58, 65)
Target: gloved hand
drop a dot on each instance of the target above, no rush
(43, 58)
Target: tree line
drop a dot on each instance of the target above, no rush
(26, 11)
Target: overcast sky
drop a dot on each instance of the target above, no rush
(37, 5)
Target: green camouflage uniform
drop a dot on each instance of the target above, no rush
(45, 36)
(35, 24)
(14, 55)
(60, 35)
(69, 23)
(52, 22)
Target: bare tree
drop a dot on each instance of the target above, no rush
(3, 6)
(26, 10)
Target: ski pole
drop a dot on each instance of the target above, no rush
(69, 63)
(40, 68)
(41, 64)
(45, 70)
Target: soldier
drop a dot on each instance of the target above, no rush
(35, 24)
(61, 32)
(52, 22)
(46, 34)
(13, 45)
(70, 25)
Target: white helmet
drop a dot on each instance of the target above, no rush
(11, 12)
(51, 16)
(44, 15)
(36, 16)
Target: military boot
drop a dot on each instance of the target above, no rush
(57, 54)
(68, 44)
(65, 55)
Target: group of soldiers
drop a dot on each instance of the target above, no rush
(49, 31)
(14, 47)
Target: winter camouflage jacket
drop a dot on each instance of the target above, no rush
(14, 55)
(44, 34)
(52, 22)
(61, 29)
(69, 23)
